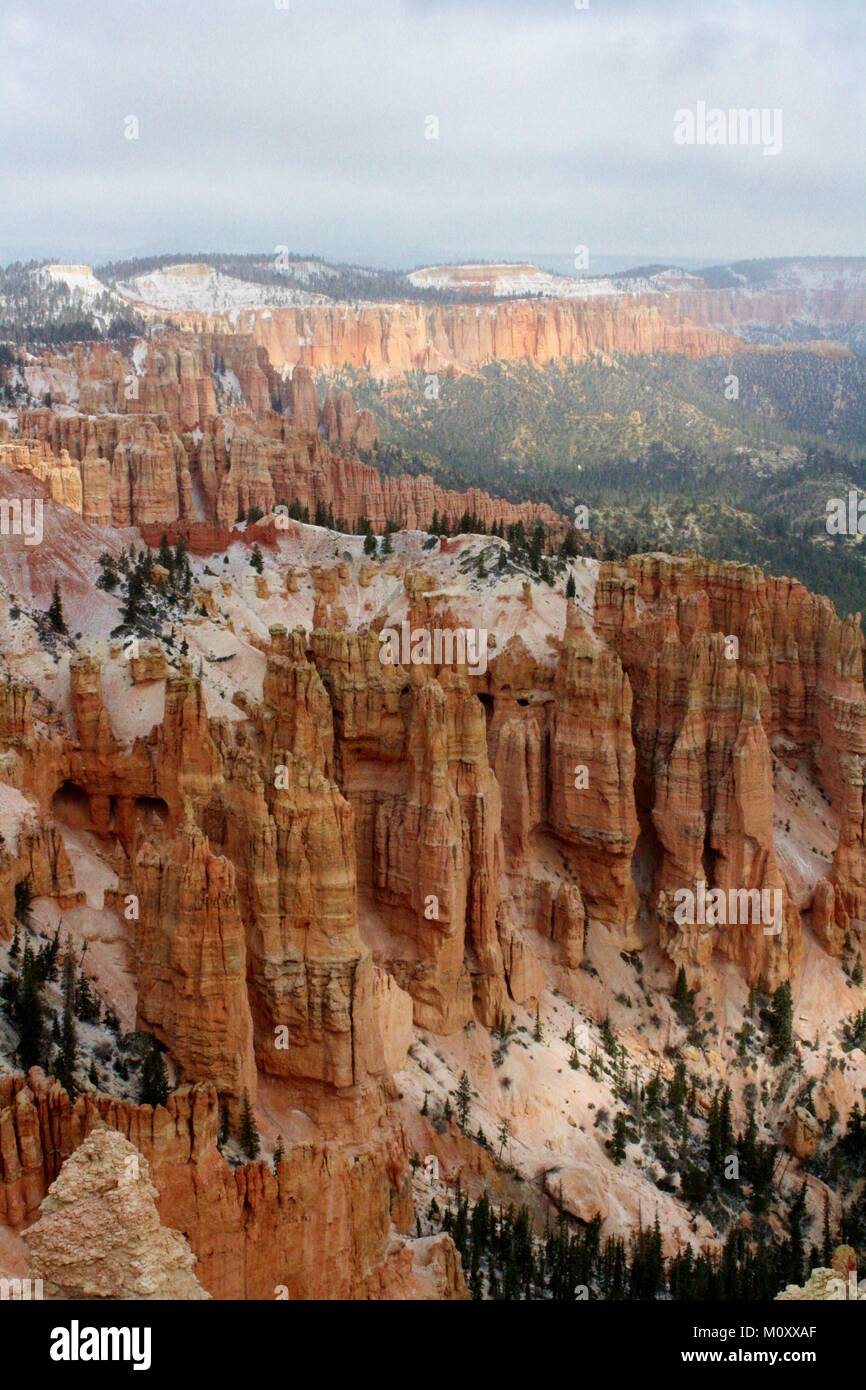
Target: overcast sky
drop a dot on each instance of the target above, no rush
(261, 126)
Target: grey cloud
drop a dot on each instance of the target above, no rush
(261, 126)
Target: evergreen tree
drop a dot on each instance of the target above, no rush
(67, 1051)
(154, 1077)
(109, 578)
(795, 1248)
(463, 1101)
(166, 559)
(249, 1135)
(23, 899)
(503, 1134)
(537, 1034)
(618, 1141)
(87, 1002)
(256, 560)
(608, 1037)
(570, 587)
(370, 543)
(781, 1023)
(29, 1015)
(46, 958)
(827, 1245)
(677, 1087)
(683, 997)
(131, 613)
(726, 1131)
(278, 1154)
(55, 610)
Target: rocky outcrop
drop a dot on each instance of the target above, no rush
(191, 953)
(592, 767)
(99, 1233)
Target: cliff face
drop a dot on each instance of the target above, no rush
(255, 1234)
(733, 310)
(165, 460)
(390, 339)
(192, 962)
(350, 848)
(731, 668)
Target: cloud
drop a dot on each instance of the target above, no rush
(305, 126)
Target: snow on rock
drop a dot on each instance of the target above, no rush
(503, 281)
(198, 288)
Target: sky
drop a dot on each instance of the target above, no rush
(304, 124)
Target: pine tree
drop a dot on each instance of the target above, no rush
(257, 560)
(87, 1002)
(618, 1141)
(726, 1131)
(781, 1023)
(683, 999)
(67, 1051)
(154, 1077)
(249, 1135)
(387, 545)
(109, 578)
(278, 1154)
(570, 587)
(166, 558)
(131, 613)
(537, 1034)
(370, 543)
(827, 1247)
(55, 610)
(795, 1249)
(503, 1134)
(677, 1087)
(46, 958)
(23, 899)
(463, 1101)
(28, 1013)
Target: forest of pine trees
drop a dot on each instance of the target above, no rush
(503, 1259)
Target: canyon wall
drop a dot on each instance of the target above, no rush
(396, 338)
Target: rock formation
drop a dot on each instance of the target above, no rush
(99, 1233)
